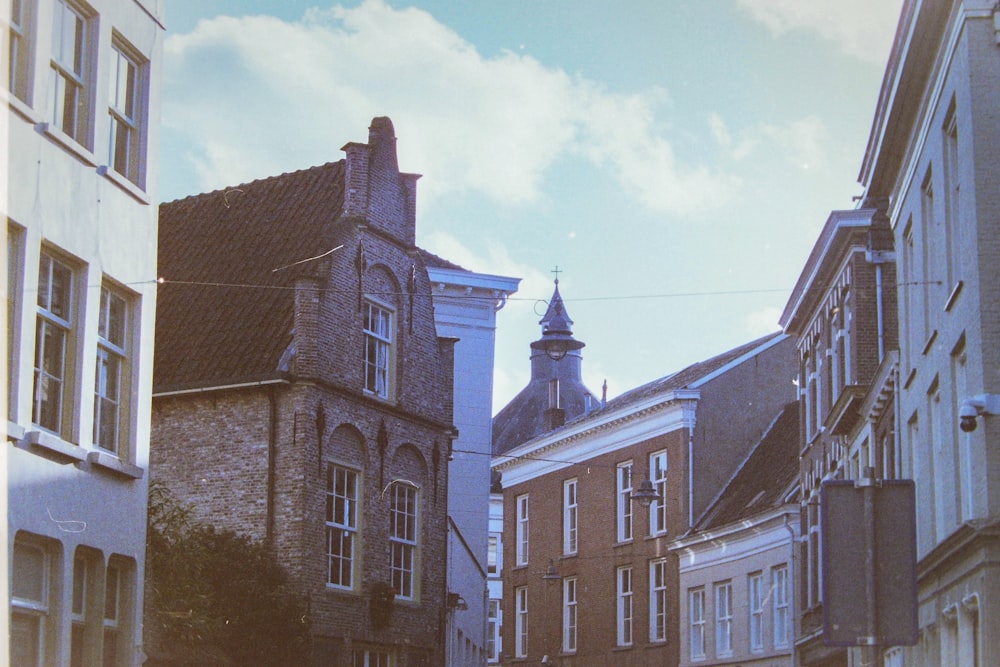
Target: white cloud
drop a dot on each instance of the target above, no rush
(802, 142)
(861, 28)
(258, 95)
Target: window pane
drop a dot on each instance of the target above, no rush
(28, 582)
(25, 639)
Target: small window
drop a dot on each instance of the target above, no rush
(522, 530)
(782, 610)
(403, 540)
(724, 619)
(53, 344)
(378, 349)
(69, 88)
(696, 616)
(126, 111)
(493, 555)
(624, 606)
(658, 508)
(624, 500)
(493, 631)
(755, 584)
(569, 616)
(30, 604)
(658, 601)
(521, 622)
(570, 516)
(341, 525)
(113, 371)
(21, 46)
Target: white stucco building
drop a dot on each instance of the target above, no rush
(933, 154)
(79, 137)
(465, 307)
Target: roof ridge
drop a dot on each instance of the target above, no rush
(254, 182)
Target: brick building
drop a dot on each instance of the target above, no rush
(587, 574)
(79, 137)
(302, 395)
(842, 312)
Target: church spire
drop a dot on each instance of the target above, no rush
(557, 336)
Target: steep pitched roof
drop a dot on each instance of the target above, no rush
(224, 308)
(766, 477)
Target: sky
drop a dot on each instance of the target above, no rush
(675, 159)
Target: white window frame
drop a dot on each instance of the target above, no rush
(569, 615)
(781, 604)
(624, 610)
(54, 375)
(494, 555)
(404, 540)
(21, 48)
(70, 89)
(658, 600)
(623, 495)
(372, 657)
(521, 541)
(111, 383)
(696, 623)
(658, 477)
(521, 622)
(493, 624)
(755, 591)
(724, 619)
(342, 530)
(378, 327)
(570, 517)
(34, 610)
(126, 110)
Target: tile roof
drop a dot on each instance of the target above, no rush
(224, 306)
(765, 478)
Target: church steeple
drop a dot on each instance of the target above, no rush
(555, 393)
(557, 336)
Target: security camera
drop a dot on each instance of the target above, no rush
(972, 407)
(967, 414)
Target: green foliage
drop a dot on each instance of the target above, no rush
(215, 597)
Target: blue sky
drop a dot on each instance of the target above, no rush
(675, 158)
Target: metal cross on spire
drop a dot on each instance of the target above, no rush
(557, 271)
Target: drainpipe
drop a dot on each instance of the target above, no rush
(272, 447)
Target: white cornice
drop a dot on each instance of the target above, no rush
(602, 434)
(737, 540)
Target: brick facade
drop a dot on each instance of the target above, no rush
(253, 455)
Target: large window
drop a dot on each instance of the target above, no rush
(623, 494)
(112, 371)
(624, 606)
(126, 109)
(378, 349)
(341, 525)
(403, 540)
(782, 610)
(68, 93)
(658, 509)
(569, 517)
(723, 618)
(755, 584)
(493, 631)
(20, 48)
(53, 337)
(569, 616)
(521, 541)
(29, 602)
(521, 622)
(696, 621)
(658, 600)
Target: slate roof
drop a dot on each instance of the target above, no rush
(769, 473)
(223, 311)
(685, 378)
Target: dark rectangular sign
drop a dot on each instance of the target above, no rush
(869, 563)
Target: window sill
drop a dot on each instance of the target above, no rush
(15, 432)
(930, 342)
(128, 186)
(53, 444)
(953, 297)
(20, 107)
(113, 464)
(83, 153)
